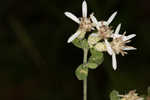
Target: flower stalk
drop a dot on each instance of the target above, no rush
(85, 50)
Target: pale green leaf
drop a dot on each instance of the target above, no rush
(114, 95)
(77, 43)
(81, 72)
(80, 43)
(92, 65)
(96, 57)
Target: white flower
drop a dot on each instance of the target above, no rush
(84, 22)
(132, 95)
(104, 31)
(101, 23)
(118, 45)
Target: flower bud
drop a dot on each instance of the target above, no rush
(100, 46)
(92, 40)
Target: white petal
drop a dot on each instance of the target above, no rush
(129, 48)
(93, 28)
(103, 23)
(72, 16)
(94, 20)
(111, 17)
(84, 9)
(129, 37)
(118, 29)
(115, 36)
(75, 35)
(114, 61)
(108, 46)
(94, 35)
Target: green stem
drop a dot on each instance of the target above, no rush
(85, 89)
(85, 80)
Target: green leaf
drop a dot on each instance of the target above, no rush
(92, 65)
(95, 52)
(96, 57)
(77, 43)
(114, 95)
(80, 43)
(81, 72)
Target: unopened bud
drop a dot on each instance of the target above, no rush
(92, 40)
(100, 47)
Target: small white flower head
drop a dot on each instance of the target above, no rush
(103, 28)
(85, 24)
(132, 95)
(118, 45)
(105, 31)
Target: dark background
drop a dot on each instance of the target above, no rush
(36, 63)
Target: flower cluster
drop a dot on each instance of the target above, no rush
(102, 37)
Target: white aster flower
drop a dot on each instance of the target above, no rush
(104, 31)
(132, 95)
(118, 45)
(84, 22)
